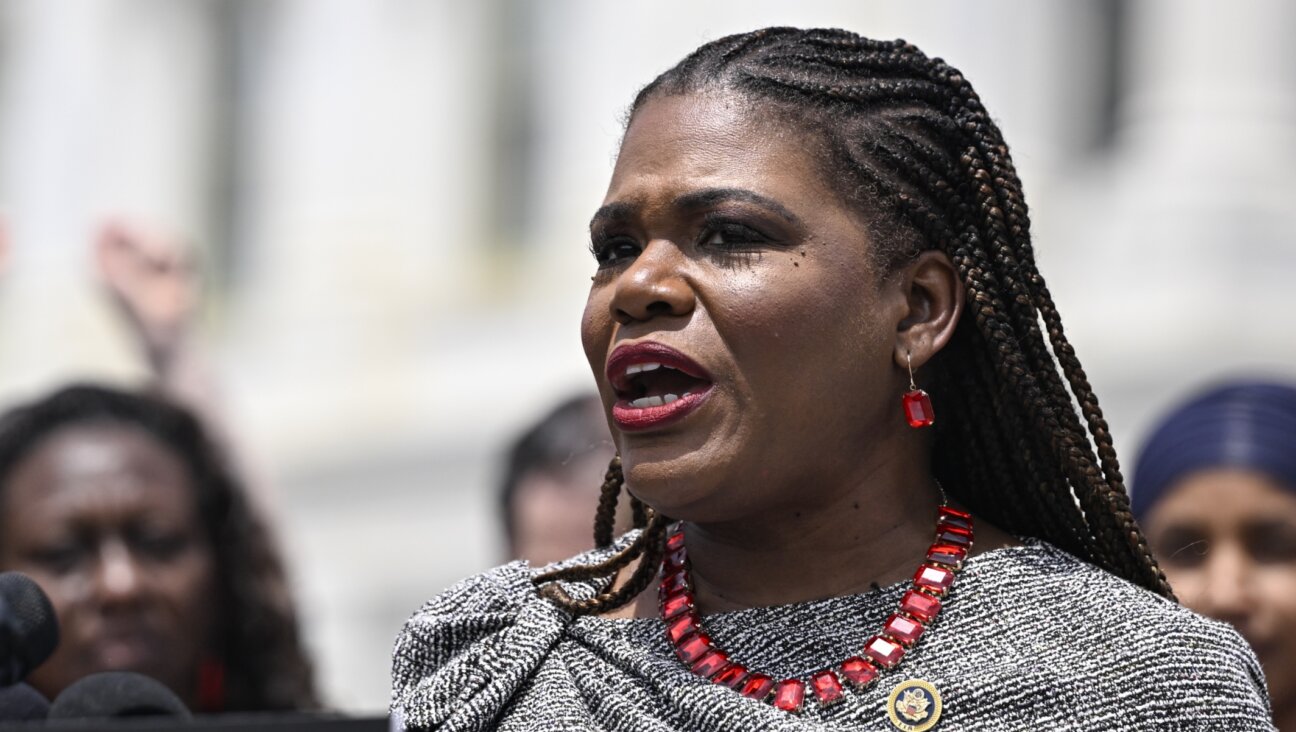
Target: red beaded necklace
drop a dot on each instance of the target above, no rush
(918, 608)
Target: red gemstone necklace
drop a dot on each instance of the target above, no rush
(918, 608)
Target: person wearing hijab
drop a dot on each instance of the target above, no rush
(1215, 491)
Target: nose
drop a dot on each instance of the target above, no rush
(653, 285)
(119, 579)
(1228, 585)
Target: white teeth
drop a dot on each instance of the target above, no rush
(639, 367)
(648, 401)
(668, 398)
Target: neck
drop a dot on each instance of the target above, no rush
(871, 533)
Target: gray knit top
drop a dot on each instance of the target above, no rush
(1030, 638)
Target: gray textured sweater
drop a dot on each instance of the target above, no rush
(1031, 638)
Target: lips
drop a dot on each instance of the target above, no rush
(655, 385)
(123, 648)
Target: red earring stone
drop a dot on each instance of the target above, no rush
(918, 409)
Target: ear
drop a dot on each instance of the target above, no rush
(934, 295)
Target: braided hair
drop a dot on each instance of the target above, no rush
(266, 667)
(907, 140)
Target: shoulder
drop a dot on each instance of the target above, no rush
(1168, 667)
(463, 656)
(443, 656)
(471, 609)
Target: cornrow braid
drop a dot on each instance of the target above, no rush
(906, 139)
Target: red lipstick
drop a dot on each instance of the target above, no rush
(655, 385)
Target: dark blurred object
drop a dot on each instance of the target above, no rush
(21, 703)
(290, 722)
(28, 628)
(113, 694)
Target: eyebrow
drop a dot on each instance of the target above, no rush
(612, 213)
(706, 198)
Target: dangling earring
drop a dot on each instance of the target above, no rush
(917, 405)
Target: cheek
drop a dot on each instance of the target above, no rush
(789, 317)
(196, 573)
(189, 585)
(1189, 585)
(1277, 585)
(596, 328)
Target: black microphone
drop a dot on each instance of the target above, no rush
(21, 703)
(28, 629)
(110, 694)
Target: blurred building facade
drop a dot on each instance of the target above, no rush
(390, 198)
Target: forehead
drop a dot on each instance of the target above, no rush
(97, 470)
(1226, 496)
(712, 139)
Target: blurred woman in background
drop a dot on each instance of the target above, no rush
(118, 505)
(1215, 489)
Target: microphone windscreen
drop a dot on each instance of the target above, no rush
(28, 628)
(21, 703)
(110, 694)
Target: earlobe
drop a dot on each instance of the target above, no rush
(934, 295)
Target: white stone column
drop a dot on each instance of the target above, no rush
(104, 112)
(1178, 249)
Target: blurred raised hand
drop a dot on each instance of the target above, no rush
(152, 278)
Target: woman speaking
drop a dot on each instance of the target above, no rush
(872, 485)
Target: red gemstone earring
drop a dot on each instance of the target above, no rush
(917, 405)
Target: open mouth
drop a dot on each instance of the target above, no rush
(654, 384)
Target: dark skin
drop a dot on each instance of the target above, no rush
(799, 477)
(1226, 539)
(103, 518)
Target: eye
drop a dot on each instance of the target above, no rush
(611, 251)
(728, 235)
(158, 545)
(1272, 543)
(58, 557)
(1183, 548)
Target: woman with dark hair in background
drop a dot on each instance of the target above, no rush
(122, 511)
(805, 232)
(1215, 488)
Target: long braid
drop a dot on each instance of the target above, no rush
(648, 547)
(605, 519)
(907, 139)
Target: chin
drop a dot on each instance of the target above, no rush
(684, 487)
(669, 486)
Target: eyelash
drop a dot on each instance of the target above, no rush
(746, 240)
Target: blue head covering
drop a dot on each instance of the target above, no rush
(1240, 424)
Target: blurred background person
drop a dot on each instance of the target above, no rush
(1215, 490)
(551, 482)
(123, 511)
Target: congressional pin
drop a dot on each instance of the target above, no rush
(914, 706)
